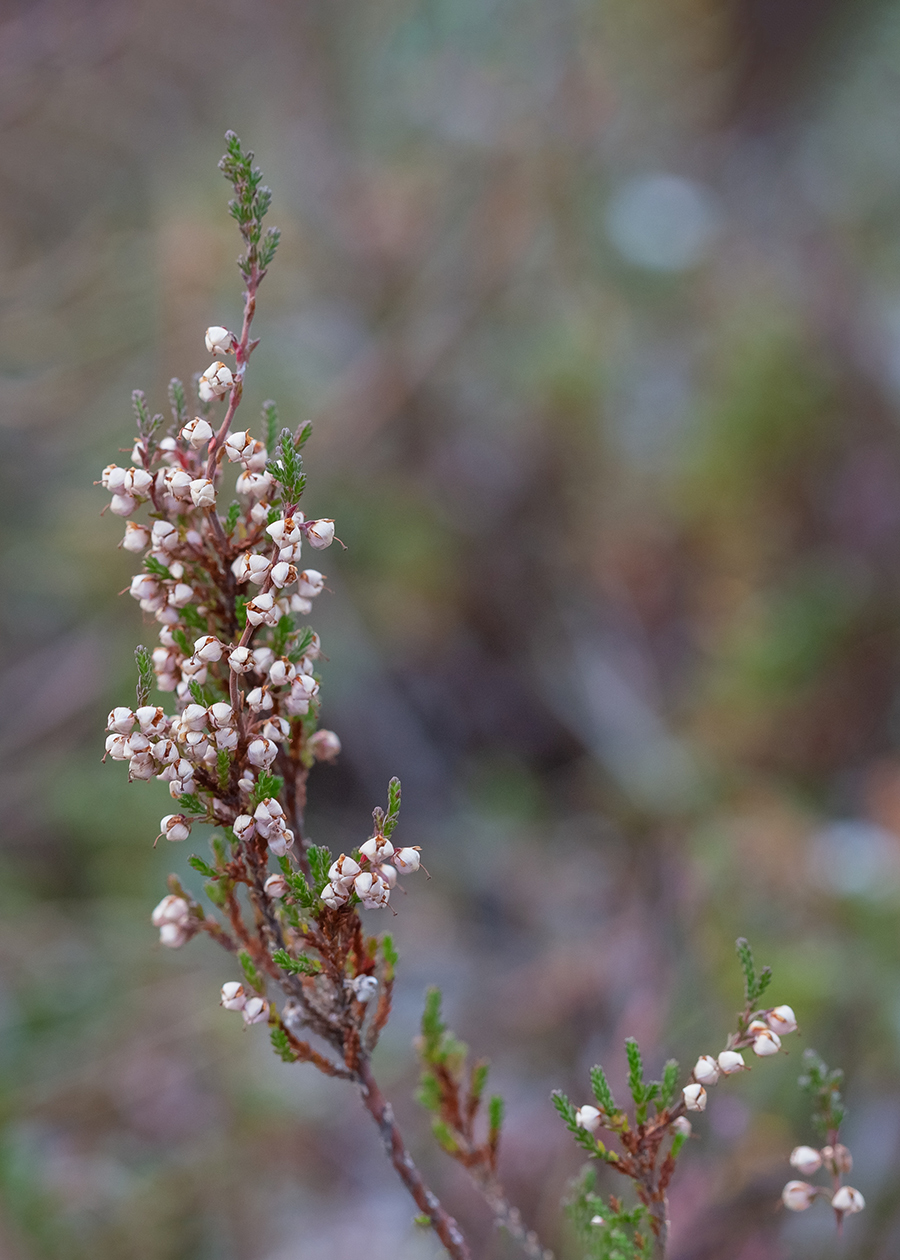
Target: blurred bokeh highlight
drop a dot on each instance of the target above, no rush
(595, 308)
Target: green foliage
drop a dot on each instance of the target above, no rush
(642, 1093)
(146, 676)
(823, 1084)
(754, 985)
(303, 434)
(223, 768)
(319, 859)
(157, 568)
(620, 1237)
(217, 844)
(251, 974)
(266, 785)
(147, 428)
(240, 611)
(304, 639)
(199, 694)
(296, 881)
(602, 1092)
(288, 469)
(270, 421)
(281, 1045)
(249, 207)
(231, 519)
(281, 634)
(669, 1083)
(217, 892)
(496, 1110)
(393, 811)
(192, 617)
(301, 966)
(444, 1136)
(567, 1111)
(178, 403)
(390, 955)
(203, 867)
(190, 803)
(182, 640)
(437, 1045)
(478, 1079)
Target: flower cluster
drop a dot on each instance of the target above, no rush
(762, 1032)
(833, 1157)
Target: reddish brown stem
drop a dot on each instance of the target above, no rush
(442, 1222)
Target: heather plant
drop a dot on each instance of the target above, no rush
(228, 590)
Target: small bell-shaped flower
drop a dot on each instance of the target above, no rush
(766, 1043)
(706, 1070)
(806, 1160)
(164, 536)
(233, 996)
(221, 715)
(838, 1158)
(320, 534)
(178, 484)
(344, 870)
(122, 504)
(215, 382)
(197, 433)
(286, 530)
(243, 827)
(282, 671)
(310, 583)
(378, 849)
(249, 567)
(275, 886)
(238, 445)
(173, 935)
(240, 660)
(280, 842)
(731, 1061)
(208, 648)
(797, 1196)
(117, 747)
(269, 816)
(171, 909)
(121, 720)
(334, 895)
(152, 719)
(175, 827)
(588, 1117)
(848, 1200)
(181, 595)
(276, 728)
(203, 493)
(363, 988)
(682, 1126)
(324, 745)
(255, 1010)
(694, 1097)
(194, 717)
(781, 1020)
(219, 340)
(261, 610)
(283, 574)
(137, 537)
(259, 700)
(407, 860)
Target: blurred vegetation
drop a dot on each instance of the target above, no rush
(595, 308)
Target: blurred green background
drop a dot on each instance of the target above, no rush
(596, 310)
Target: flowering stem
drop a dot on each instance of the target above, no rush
(382, 1113)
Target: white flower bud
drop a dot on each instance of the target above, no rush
(122, 504)
(259, 512)
(597, 1220)
(798, 1195)
(256, 458)
(203, 493)
(377, 850)
(151, 719)
(324, 745)
(389, 874)
(143, 586)
(378, 895)
(117, 747)
(362, 884)
(256, 485)
(282, 671)
(275, 886)
(226, 740)
(781, 1020)
(364, 988)
(310, 583)
(259, 700)
(136, 743)
(215, 382)
(165, 752)
(193, 667)
(208, 648)
(706, 1070)
(838, 1158)
(280, 842)
(731, 1061)
(178, 484)
(682, 1126)
(164, 536)
(806, 1160)
(276, 728)
(243, 827)
(261, 753)
(181, 595)
(171, 909)
(137, 537)
(766, 1043)
(269, 816)
(694, 1097)
(219, 340)
(283, 574)
(220, 715)
(137, 482)
(197, 432)
(249, 567)
(286, 530)
(848, 1200)
(588, 1117)
(233, 996)
(344, 870)
(320, 534)
(194, 717)
(175, 827)
(240, 660)
(173, 935)
(407, 861)
(256, 1009)
(261, 610)
(238, 445)
(121, 720)
(334, 895)
(113, 478)
(299, 605)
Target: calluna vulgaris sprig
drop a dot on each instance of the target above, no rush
(228, 589)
